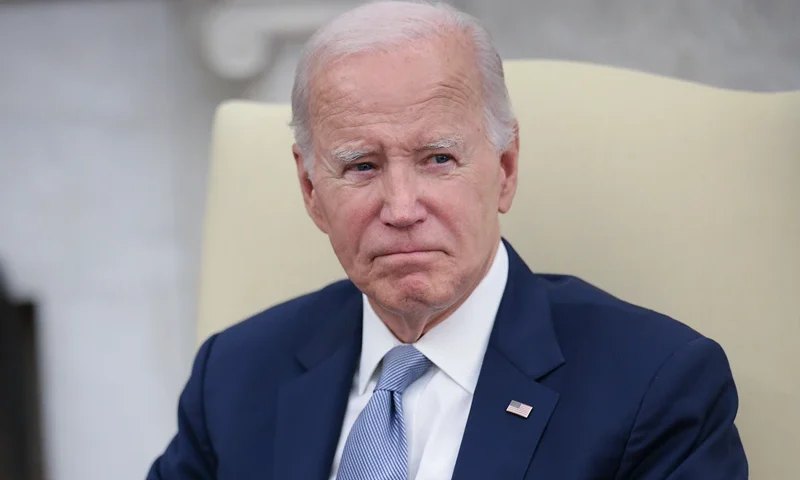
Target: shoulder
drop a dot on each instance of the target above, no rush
(594, 325)
(618, 354)
(282, 328)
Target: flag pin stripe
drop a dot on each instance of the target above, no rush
(519, 408)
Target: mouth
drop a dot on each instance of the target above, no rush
(407, 254)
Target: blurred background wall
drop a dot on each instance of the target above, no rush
(105, 111)
(104, 120)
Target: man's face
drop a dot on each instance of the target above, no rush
(406, 182)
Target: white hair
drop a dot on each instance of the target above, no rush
(382, 25)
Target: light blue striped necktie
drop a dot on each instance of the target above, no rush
(376, 447)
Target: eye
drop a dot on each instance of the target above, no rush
(441, 158)
(363, 167)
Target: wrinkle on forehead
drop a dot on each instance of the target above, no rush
(340, 103)
(435, 120)
(402, 86)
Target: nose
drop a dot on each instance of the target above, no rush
(401, 198)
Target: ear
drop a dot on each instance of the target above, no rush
(309, 192)
(509, 170)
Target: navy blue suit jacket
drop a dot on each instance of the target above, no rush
(618, 392)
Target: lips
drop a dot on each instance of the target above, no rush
(405, 251)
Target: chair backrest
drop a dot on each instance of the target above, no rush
(673, 195)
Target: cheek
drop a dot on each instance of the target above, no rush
(465, 205)
(348, 215)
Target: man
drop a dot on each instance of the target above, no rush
(442, 356)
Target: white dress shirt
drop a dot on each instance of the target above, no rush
(436, 406)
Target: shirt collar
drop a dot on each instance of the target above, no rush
(457, 345)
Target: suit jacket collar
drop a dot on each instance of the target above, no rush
(341, 329)
(523, 331)
(311, 406)
(522, 349)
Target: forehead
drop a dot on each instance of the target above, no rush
(406, 89)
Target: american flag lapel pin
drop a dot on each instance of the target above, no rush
(519, 408)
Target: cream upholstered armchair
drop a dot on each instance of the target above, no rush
(673, 195)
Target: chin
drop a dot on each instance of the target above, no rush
(413, 293)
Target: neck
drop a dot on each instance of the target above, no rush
(409, 326)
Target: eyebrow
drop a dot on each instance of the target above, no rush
(445, 144)
(348, 155)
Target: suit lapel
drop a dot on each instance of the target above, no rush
(522, 349)
(498, 444)
(311, 407)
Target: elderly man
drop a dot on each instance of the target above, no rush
(442, 356)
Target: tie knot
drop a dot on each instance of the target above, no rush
(402, 366)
